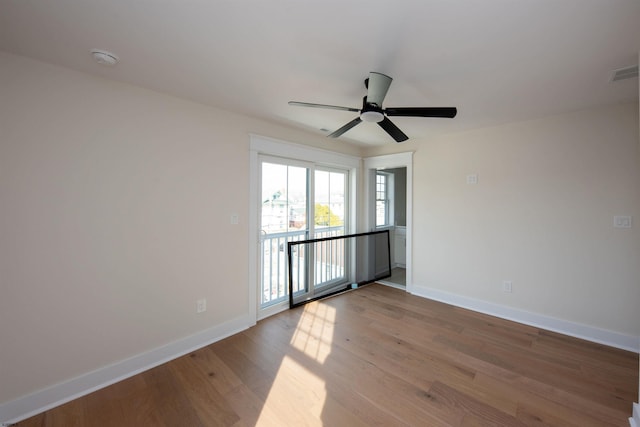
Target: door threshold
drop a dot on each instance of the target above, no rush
(391, 284)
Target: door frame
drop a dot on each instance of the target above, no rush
(390, 161)
(262, 145)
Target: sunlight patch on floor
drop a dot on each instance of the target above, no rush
(314, 334)
(297, 397)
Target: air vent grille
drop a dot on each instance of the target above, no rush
(624, 73)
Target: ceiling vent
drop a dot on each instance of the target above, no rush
(624, 73)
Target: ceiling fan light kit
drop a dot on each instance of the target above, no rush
(377, 85)
(372, 116)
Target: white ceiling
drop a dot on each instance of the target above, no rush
(498, 61)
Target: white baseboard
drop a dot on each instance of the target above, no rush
(578, 330)
(634, 421)
(42, 400)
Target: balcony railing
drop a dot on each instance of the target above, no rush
(324, 273)
(329, 263)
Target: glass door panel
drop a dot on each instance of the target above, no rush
(284, 218)
(330, 210)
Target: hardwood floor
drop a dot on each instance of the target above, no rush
(375, 356)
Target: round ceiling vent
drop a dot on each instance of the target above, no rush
(103, 57)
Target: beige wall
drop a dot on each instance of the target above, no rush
(115, 205)
(115, 217)
(541, 216)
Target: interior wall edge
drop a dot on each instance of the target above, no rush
(58, 394)
(566, 327)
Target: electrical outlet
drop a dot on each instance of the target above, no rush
(201, 305)
(507, 286)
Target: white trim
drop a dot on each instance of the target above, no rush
(391, 161)
(58, 394)
(566, 327)
(254, 237)
(275, 147)
(273, 309)
(634, 421)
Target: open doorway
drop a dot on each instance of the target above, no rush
(388, 205)
(391, 214)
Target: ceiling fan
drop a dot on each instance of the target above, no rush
(377, 86)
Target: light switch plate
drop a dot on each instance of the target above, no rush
(622, 221)
(472, 179)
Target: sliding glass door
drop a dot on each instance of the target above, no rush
(299, 201)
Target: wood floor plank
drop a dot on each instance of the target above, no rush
(376, 356)
(569, 409)
(219, 374)
(466, 404)
(171, 403)
(252, 410)
(69, 414)
(199, 388)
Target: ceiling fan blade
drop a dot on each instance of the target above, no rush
(332, 107)
(393, 130)
(345, 128)
(446, 112)
(377, 87)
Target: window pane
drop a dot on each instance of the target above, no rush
(382, 203)
(381, 213)
(330, 195)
